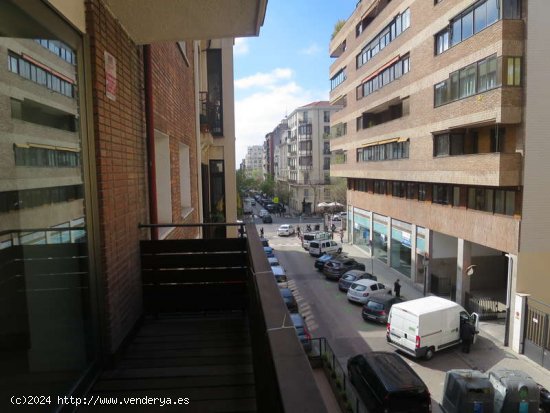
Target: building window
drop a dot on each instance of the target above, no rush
(326, 116)
(215, 87)
(513, 71)
(185, 176)
(475, 78)
(384, 38)
(505, 202)
(391, 150)
(338, 79)
(326, 163)
(399, 189)
(384, 77)
(480, 199)
(442, 194)
(380, 187)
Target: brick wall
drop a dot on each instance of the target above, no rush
(119, 133)
(175, 115)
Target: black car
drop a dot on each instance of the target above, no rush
(323, 259)
(289, 300)
(386, 383)
(274, 208)
(378, 307)
(351, 276)
(267, 219)
(338, 266)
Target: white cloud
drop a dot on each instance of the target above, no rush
(263, 79)
(312, 49)
(260, 112)
(241, 47)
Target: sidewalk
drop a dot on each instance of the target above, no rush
(487, 353)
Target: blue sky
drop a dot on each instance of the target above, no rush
(285, 67)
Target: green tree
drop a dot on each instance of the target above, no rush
(338, 190)
(268, 186)
(283, 192)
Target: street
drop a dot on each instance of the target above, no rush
(329, 314)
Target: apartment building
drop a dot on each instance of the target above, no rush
(304, 162)
(254, 161)
(441, 141)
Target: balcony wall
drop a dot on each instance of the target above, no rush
(485, 169)
(495, 231)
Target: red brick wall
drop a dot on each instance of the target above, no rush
(119, 133)
(175, 115)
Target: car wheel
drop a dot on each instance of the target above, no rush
(339, 250)
(429, 353)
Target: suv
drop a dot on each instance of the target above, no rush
(386, 383)
(318, 248)
(336, 267)
(311, 236)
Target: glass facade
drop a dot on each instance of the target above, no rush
(47, 333)
(380, 237)
(401, 247)
(361, 229)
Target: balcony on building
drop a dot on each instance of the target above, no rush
(211, 115)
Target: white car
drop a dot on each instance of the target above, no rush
(286, 229)
(273, 261)
(263, 212)
(361, 290)
(279, 273)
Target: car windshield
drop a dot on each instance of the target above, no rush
(373, 305)
(358, 287)
(314, 244)
(349, 277)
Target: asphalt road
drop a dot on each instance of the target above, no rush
(329, 314)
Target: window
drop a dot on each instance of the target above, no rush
(338, 79)
(384, 77)
(326, 130)
(513, 71)
(406, 19)
(442, 194)
(422, 192)
(480, 199)
(456, 196)
(441, 145)
(163, 181)
(326, 163)
(185, 177)
(441, 41)
(326, 116)
(399, 189)
(480, 17)
(467, 79)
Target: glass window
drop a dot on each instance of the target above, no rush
(480, 17)
(457, 31)
(492, 11)
(467, 25)
(440, 93)
(467, 85)
(406, 19)
(422, 191)
(510, 203)
(441, 145)
(442, 41)
(456, 196)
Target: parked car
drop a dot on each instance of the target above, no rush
(386, 383)
(247, 209)
(289, 299)
(286, 229)
(301, 330)
(360, 291)
(315, 235)
(269, 252)
(267, 219)
(279, 273)
(351, 276)
(378, 307)
(253, 203)
(318, 248)
(265, 242)
(263, 212)
(336, 267)
(323, 259)
(275, 208)
(273, 261)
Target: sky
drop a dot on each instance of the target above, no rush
(285, 67)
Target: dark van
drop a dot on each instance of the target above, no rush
(386, 383)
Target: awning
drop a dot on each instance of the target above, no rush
(383, 142)
(380, 69)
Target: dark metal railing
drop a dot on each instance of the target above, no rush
(488, 308)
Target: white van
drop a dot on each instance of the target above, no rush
(426, 325)
(311, 236)
(318, 248)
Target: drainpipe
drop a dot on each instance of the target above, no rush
(508, 299)
(150, 137)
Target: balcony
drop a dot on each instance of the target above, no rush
(485, 169)
(214, 327)
(211, 116)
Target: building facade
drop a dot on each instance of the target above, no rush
(254, 161)
(304, 162)
(433, 139)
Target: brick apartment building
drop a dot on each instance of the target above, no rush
(441, 140)
(112, 114)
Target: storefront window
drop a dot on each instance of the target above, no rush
(380, 237)
(401, 247)
(361, 229)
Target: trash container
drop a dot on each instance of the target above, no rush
(467, 391)
(515, 391)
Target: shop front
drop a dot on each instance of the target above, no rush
(401, 247)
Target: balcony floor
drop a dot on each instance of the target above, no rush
(204, 357)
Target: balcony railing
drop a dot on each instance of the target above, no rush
(211, 116)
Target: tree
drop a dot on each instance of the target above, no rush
(338, 190)
(283, 192)
(268, 186)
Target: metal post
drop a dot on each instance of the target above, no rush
(425, 263)
(508, 300)
(369, 243)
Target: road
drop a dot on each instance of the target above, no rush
(329, 314)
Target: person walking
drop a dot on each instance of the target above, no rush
(397, 288)
(467, 331)
(261, 232)
(341, 235)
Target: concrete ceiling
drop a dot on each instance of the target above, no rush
(150, 21)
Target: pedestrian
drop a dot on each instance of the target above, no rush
(342, 235)
(467, 332)
(397, 288)
(261, 232)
